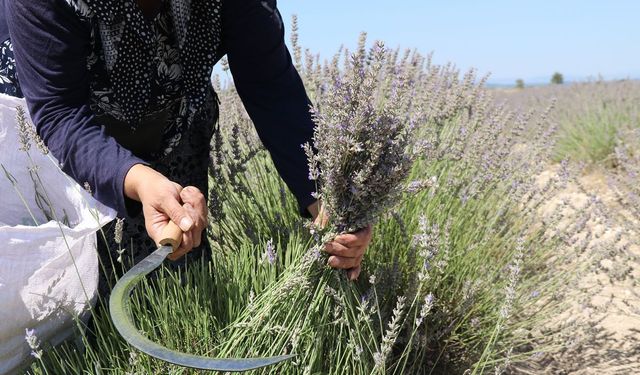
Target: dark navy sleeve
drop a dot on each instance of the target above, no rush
(271, 89)
(4, 31)
(51, 45)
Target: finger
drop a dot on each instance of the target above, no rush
(176, 254)
(187, 242)
(335, 248)
(190, 191)
(185, 246)
(199, 222)
(177, 213)
(359, 238)
(178, 187)
(323, 218)
(197, 207)
(195, 198)
(198, 227)
(354, 273)
(196, 235)
(349, 239)
(341, 262)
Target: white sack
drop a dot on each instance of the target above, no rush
(48, 272)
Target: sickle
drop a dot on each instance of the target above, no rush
(120, 309)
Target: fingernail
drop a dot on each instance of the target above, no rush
(186, 224)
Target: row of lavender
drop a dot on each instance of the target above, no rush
(463, 274)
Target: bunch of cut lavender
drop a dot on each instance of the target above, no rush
(362, 144)
(361, 155)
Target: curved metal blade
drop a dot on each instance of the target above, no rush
(120, 310)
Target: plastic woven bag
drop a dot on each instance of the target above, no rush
(48, 267)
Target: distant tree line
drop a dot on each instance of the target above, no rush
(557, 79)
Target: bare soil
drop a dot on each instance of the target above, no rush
(602, 325)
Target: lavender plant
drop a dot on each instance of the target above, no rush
(469, 266)
(363, 156)
(369, 320)
(591, 213)
(363, 138)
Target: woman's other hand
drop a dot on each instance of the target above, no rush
(346, 250)
(163, 200)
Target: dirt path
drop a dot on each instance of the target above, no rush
(602, 325)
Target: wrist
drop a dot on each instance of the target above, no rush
(137, 178)
(314, 209)
(320, 216)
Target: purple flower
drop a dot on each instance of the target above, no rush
(535, 294)
(270, 252)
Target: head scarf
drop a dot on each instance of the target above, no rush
(129, 42)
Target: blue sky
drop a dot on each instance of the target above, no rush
(510, 39)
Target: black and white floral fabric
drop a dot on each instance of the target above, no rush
(8, 77)
(138, 66)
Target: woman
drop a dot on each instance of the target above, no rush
(120, 92)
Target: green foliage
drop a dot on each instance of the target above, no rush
(458, 278)
(218, 308)
(590, 131)
(519, 83)
(557, 78)
(590, 137)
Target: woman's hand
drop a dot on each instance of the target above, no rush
(347, 250)
(163, 200)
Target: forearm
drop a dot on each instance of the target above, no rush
(314, 209)
(50, 46)
(91, 158)
(271, 91)
(137, 178)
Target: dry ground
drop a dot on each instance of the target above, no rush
(602, 324)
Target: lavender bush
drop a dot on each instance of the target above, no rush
(467, 266)
(593, 214)
(363, 139)
(413, 315)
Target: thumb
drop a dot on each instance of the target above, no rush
(177, 214)
(322, 219)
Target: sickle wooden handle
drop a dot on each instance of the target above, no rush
(171, 236)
